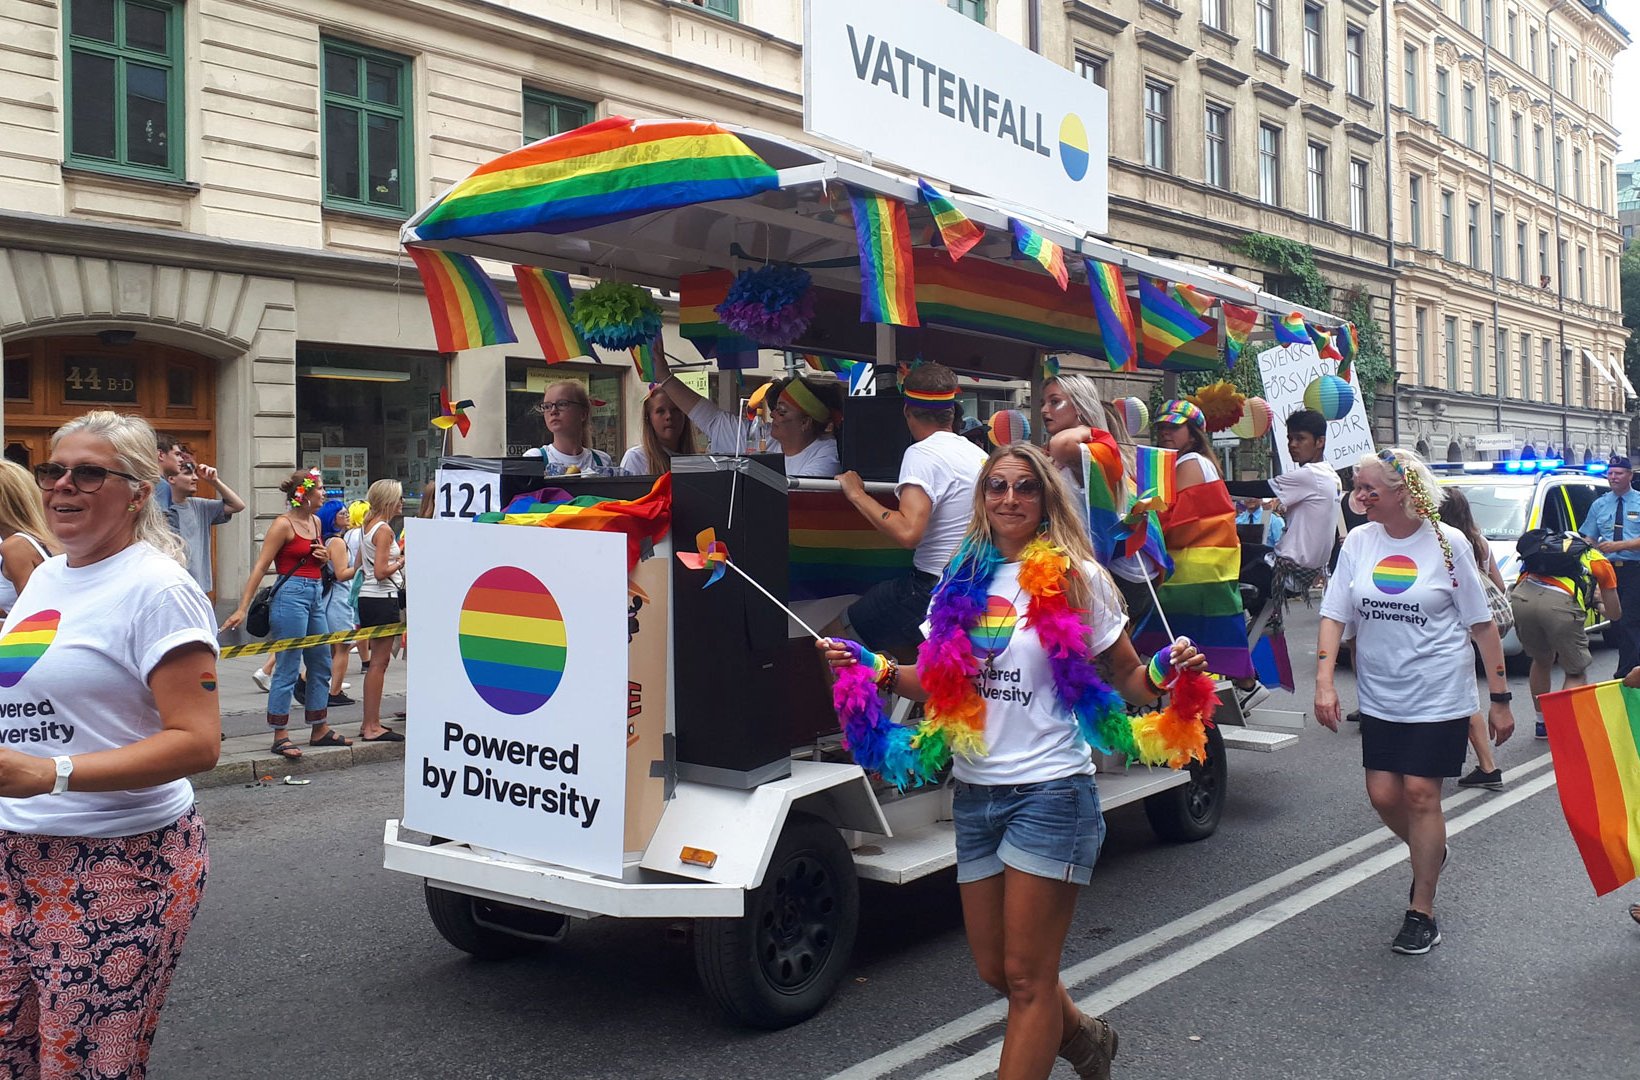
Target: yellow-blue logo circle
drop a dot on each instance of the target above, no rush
(1073, 146)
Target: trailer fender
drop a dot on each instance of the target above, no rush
(737, 830)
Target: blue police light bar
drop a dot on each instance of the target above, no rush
(1516, 466)
(1596, 468)
(1549, 464)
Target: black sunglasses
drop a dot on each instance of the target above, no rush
(1028, 487)
(88, 479)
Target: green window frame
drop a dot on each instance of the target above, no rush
(547, 114)
(368, 155)
(729, 9)
(974, 9)
(119, 57)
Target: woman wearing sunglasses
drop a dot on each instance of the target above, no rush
(1026, 809)
(108, 687)
(27, 539)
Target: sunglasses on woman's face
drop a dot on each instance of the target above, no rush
(87, 479)
(1028, 487)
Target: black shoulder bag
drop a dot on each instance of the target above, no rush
(259, 614)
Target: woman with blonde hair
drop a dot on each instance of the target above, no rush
(567, 410)
(25, 539)
(666, 431)
(381, 597)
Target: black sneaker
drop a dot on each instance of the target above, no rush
(1478, 777)
(338, 700)
(1418, 935)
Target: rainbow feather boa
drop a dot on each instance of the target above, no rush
(954, 718)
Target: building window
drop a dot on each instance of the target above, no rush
(1577, 176)
(1443, 103)
(730, 9)
(1583, 273)
(1560, 164)
(1605, 185)
(1216, 134)
(1360, 220)
(1420, 343)
(1463, 13)
(1560, 267)
(1409, 80)
(1531, 49)
(1448, 226)
(1498, 264)
(1269, 164)
(123, 72)
(1571, 77)
(974, 9)
(1584, 378)
(1475, 235)
(1494, 140)
(1469, 116)
(1314, 47)
(1515, 159)
(1158, 124)
(1315, 164)
(1525, 364)
(1450, 349)
(1500, 361)
(1355, 61)
(367, 137)
(1477, 357)
(546, 115)
(1521, 269)
(1415, 209)
(1213, 13)
(1510, 37)
(1554, 66)
(1486, 21)
(1543, 259)
(1537, 152)
(1091, 67)
(1264, 27)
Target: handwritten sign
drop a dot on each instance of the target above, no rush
(1287, 370)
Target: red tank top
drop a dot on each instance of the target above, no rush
(296, 547)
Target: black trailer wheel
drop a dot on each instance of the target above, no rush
(490, 930)
(780, 962)
(1192, 811)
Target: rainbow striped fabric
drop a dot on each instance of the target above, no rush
(1115, 314)
(1165, 324)
(888, 291)
(1104, 487)
(957, 231)
(643, 359)
(1202, 599)
(1348, 341)
(1272, 661)
(609, 170)
(991, 298)
(698, 298)
(1238, 327)
(467, 311)
(1322, 338)
(547, 297)
(1155, 473)
(1033, 245)
(644, 519)
(834, 551)
(1594, 735)
(1289, 329)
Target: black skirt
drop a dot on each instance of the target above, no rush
(1427, 749)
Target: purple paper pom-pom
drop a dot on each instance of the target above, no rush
(772, 305)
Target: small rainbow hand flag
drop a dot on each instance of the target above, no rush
(1166, 322)
(1154, 475)
(547, 297)
(888, 288)
(1116, 323)
(1102, 483)
(1348, 341)
(1050, 368)
(467, 311)
(1323, 340)
(453, 415)
(1290, 329)
(1593, 737)
(958, 232)
(643, 359)
(1033, 245)
(1238, 327)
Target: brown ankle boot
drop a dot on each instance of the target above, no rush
(1091, 1049)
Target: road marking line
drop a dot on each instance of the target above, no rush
(970, 1023)
(1259, 922)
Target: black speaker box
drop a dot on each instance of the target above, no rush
(874, 436)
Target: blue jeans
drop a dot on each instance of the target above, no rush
(299, 610)
(1053, 829)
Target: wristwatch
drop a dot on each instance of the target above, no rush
(65, 769)
(1504, 698)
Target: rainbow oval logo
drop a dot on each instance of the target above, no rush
(26, 643)
(512, 641)
(990, 636)
(1394, 574)
(1073, 146)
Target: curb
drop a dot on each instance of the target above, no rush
(246, 759)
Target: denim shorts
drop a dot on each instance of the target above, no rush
(1053, 829)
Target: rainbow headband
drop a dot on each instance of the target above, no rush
(1182, 412)
(309, 482)
(799, 396)
(930, 399)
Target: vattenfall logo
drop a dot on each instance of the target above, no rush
(902, 72)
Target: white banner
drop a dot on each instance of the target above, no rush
(938, 94)
(517, 729)
(1287, 370)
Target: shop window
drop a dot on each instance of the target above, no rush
(546, 115)
(123, 72)
(367, 136)
(366, 415)
(526, 429)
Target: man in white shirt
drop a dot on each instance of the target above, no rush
(1308, 493)
(936, 494)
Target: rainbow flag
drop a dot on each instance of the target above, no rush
(888, 290)
(467, 311)
(547, 297)
(958, 233)
(1289, 329)
(698, 298)
(643, 359)
(1115, 314)
(1323, 341)
(1033, 245)
(609, 170)
(1165, 324)
(1155, 473)
(644, 519)
(1200, 353)
(1003, 301)
(1349, 343)
(1238, 327)
(834, 551)
(1202, 599)
(1594, 735)
(1102, 482)
(1271, 661)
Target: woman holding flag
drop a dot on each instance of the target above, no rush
(804, 415)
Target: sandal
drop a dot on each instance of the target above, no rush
(387, 735)
(331, 738)
(287, 750)
(1634, 912)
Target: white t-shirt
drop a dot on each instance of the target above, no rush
(946, 466)
(588, 458)
(1210, 468)
(103, 629)
(1029, 736)
(723, 433)
(1309, 502)
(1413, 662)
(635, 461)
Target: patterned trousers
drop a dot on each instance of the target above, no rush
(90, 932)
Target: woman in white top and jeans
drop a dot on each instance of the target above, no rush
(381, 597)
(27, 540)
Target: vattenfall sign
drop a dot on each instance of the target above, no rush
(918, 85)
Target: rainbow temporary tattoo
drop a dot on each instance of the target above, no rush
(208, 681)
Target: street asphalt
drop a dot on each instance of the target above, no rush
(1260, 953)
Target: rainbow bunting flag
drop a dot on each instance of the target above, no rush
(888, 290)
(1033, 245)
(698, 297)
(1115, 315)
(1202, 352)
(1103, 483)
(467, 311)
(1594, 736)
(643, 359)
(609, 170)
(1050, 368)
(834, 551)
(1202, 599)
(1155, 473)
(1323, 340)
(1289, 329)
(958, 233)
(834, 364)
(547, 297)
(1238, 327)
(1272, 662)
(1003, 301)
(1193, 298)
(1166, 323)
(1349, 343)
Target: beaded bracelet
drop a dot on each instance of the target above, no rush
(1161, 679)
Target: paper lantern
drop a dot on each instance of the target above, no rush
(1135, 413)
(1256, 417)
(1330, 396)
(1009, 426)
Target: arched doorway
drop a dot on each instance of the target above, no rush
(1423, 449)
(1454, 452)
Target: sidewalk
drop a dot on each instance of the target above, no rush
(246, 753)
